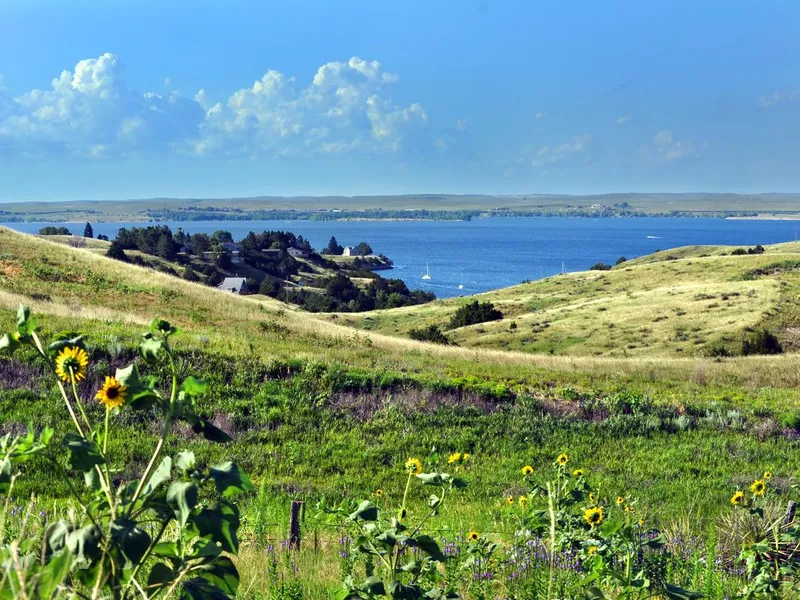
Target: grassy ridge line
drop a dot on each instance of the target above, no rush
(206, 312)
(677, 302)
(134, 209)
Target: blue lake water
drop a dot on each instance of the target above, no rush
(496, 252)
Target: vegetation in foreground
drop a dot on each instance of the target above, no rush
(319, 412)
(570, 537)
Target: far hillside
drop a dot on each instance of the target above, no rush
(694, 301)
(271, 263)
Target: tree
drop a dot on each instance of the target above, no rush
(50, 230)
(621, 260)
(166, 248)
(102, 237)
(363, 249)
(87, 231)
(333, 247)
(116, 251)
(200, 243)
(474, 312)
(221, 237)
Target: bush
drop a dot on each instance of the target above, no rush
(761, 342)
(600, 267)
(431, 333)
(50, 230)
(115, 251)
(473, 313)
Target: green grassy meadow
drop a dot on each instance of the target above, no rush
(329, 407)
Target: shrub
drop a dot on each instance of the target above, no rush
(761, 342)
(50, 230)
(431, 333)
(473, 313)
(116, 251)
(600, 266)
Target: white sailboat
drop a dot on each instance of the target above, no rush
(427, 274)
(461, 285)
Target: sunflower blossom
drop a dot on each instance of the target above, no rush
(112, 394)
(71, 364)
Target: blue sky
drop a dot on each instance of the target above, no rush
(210, 99)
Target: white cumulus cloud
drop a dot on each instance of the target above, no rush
(771, 100)
(622, 120)
(670, 148)
(90, 111)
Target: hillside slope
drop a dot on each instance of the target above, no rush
(684, 302)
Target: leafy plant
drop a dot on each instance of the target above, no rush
(171, 531)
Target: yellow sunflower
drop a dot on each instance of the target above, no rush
(510, 499)
(577, 473)
(524, 501)
(414, 466)
(592, 498)
(465, 457)
(594, 516)
(112, 394)
(737, 498)
(562, 460)
(620, 500)
(473, 536)
(592, 550)
(629, 508)
(455, 457)
(379, 492)
(758, 487)
(527, 470)
(71, 363)
(767, 475)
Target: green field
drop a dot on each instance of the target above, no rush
(319, 409)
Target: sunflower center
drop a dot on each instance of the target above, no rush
(112, 393)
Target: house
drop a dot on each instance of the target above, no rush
(232, 246)
(271, 252)
(349, 251)
(235, 285)
(297, 253)
(185, 250)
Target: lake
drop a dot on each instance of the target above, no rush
(494, 252)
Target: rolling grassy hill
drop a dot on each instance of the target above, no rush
(319, 408)
(684, 302)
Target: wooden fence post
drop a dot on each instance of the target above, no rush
(788, 517)
(294, 525)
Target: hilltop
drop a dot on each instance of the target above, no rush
(692, 301)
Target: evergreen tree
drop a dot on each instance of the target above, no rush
(115, 250)
(87, 231)
(333, 247)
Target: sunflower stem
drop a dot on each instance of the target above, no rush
(78, 400)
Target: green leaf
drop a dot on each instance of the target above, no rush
(163, 327)
(594, 593)
(182, 498)
(184, 462)
(194, 387)
(83, 454)
(159, 476)
(140, 395)
(222, 574)
(211, 432)
(84, 545)
(366, 511)
(132, 541)
(150, 347)
(5, 475)
(25, 323)
(428, 545)
(219, 523)
(55, 538)
(169, 549)
(53, 574)
(230, 479)
(673, 592)
(432, 478)
(60, 344)
(160, 575)
(399, 591)
(92, 480)
(198, 588)
(373, 585)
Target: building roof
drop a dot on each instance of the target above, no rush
(233, 284)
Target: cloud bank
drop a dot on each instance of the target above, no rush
(90, 111)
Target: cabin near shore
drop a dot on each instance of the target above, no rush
(234, 285)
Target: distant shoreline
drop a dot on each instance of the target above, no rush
(795, 217)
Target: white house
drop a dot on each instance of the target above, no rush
(235, 285)
(349, 251)
(297, 253)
